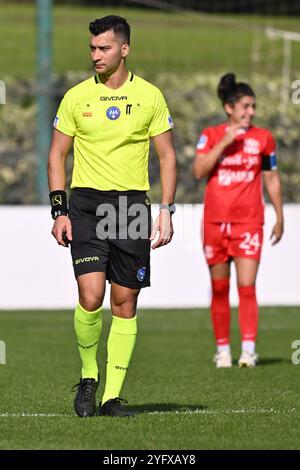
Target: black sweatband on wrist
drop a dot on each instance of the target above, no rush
(59, 203)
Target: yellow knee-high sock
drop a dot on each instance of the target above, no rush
(120, 345)
(88, 327)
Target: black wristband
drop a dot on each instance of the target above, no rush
(59, 204)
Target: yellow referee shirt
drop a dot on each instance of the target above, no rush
(112, 130)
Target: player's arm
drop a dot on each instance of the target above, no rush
(60, 146)
(205, 162)
(273, 186)
(168, 174)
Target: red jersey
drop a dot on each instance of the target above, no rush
(234, 186)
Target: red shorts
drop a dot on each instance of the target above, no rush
(221, 242)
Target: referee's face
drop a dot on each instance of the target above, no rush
(108, 52)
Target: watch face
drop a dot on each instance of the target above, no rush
(172, 208)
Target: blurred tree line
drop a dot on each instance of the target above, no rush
(193, 108)
(270, 7)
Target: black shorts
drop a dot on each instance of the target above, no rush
(111, 231)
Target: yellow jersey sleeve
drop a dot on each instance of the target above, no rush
(161, 120)
(64, 119)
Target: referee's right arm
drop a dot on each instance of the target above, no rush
(60, 146)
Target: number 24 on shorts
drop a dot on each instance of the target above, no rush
(250, 243)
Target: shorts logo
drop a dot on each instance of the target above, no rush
(202, 142)
(87, 260)
(141, 273)
(147, 201)
(113, 113)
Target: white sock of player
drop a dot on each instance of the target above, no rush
(223, 347)
(248, 346)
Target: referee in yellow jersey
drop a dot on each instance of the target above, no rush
(110, 119)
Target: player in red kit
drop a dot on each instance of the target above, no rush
(235, 156)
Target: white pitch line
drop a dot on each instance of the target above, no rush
(37, 415)
(181, 412)
(215, 412)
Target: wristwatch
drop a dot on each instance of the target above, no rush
(56, 214)
(170, 207)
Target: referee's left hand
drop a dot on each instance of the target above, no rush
(164, 227)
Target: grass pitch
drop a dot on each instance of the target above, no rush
(183, 402)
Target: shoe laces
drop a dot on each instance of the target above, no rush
(117, 402)
(247, 354)
(85, 388)
(120, 401)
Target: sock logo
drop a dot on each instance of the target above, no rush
(87, 347)
(121, 368)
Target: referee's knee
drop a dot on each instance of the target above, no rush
(90, 301)
(124, 308)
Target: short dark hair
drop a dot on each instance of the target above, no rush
(111, 22)
(229, 91)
